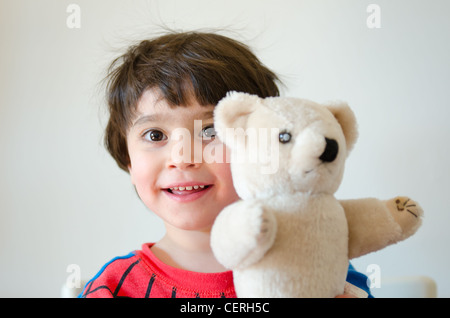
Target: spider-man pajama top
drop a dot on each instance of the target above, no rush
(141, 275)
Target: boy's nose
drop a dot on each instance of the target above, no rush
(185, 155)
(183, 165)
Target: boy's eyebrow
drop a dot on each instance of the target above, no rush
(147, 118)
(158, 117)
(207, 115)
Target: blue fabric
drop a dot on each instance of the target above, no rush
(358, 279)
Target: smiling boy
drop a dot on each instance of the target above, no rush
(156, 88)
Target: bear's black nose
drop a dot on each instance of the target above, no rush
(331, 150)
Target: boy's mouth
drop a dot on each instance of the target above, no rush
(186, 190)
(186, 193)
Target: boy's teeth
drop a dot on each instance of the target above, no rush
(188, 188)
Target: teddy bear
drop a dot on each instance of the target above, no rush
(288, 236)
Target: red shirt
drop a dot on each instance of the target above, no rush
(141, 275)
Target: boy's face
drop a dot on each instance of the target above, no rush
(167, 164)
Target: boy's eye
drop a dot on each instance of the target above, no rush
(209, 132)
(154, 135)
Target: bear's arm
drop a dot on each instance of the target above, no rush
(242, 234)
(374, 224)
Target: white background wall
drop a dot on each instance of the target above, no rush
(63, 200)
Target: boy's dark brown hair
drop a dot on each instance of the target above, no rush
(204, 66)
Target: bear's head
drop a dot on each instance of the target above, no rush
(284, 145)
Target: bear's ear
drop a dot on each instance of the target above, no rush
(346, 118)
(233, 111)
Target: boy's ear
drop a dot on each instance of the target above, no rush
(233, 111)
(347, 119)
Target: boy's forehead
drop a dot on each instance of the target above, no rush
(151, 100)
(153, 107)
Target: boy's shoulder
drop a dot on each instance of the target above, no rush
(117, 278)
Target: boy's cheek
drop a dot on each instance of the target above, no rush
(139, 171)
(223, 172)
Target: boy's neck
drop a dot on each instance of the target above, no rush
(189, 250)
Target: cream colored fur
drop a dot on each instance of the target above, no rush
(289, 236)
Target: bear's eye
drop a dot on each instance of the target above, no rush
(285, 137)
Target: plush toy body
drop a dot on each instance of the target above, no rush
(289, 236)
